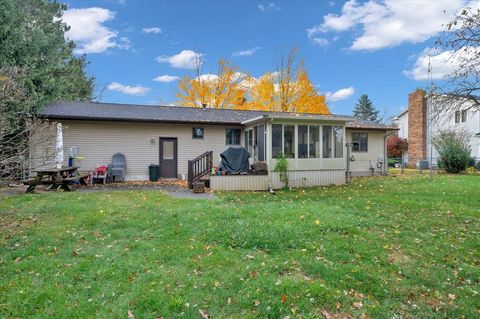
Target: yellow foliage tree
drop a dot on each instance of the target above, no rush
(289, 89)
(222, 90)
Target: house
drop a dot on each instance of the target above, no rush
(171, 136)
(427, 115)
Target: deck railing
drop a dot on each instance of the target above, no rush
(199, 167)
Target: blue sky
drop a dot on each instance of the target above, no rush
(350, 48)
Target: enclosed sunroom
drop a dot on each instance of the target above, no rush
(314, 146)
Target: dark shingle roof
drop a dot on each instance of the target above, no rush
(153, 113)
(362, 124)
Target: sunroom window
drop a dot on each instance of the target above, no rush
(276, 140)
(302, 141)
(289, 141)
(327, 141)
(308, 141)
(338, 141)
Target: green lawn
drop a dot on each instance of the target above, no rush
(382, 247)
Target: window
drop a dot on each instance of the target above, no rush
(327, 141)
(457, 116)
(314, 141)
(197, 132)
(289, 141)
(302, 141)
(260, 142)
(359, 142)
(249, 141)
(276, 140)
(232, 136)
(338, 141)
(464, 116)
(308, 141)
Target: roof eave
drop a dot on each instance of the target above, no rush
(112, 119)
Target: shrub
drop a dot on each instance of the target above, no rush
(282, 168)
(453, 149)
(477, 166)
(472, 171)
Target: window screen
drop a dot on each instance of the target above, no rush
(327, 141)
(302, 141)
(276, 140)
(338, 141)
(289, 140)
(314, 141)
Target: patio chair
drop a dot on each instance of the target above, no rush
(119, 166)
(102, 174)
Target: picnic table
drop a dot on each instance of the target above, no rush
(55, 178)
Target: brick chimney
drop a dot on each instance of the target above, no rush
(417, 126)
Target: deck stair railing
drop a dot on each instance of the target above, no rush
(199, 167)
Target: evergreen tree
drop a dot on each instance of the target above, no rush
(365, 110)
(32, 40)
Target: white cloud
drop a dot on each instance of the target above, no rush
(341, 94)
(88, 31)
(187, 59)
(152, 30)
(268, 6)
(124, 43)
(320, 41)
(208, 77)
(442, 63)
(248, 52)
(389, 23)
(166, 78)
(127, 89)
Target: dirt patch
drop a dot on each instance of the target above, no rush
(396, 256)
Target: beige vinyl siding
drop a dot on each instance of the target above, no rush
(363, 160)
(239, 182)
(99, 140)
(309, 178)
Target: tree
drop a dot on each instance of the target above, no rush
(223, 90)
(365, 110)
(289, 89)
(396, 146)
(460, 43)
(292, 90)
(37, 66)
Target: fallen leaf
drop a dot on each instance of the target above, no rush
(203, 314)
(357, 305)
(284, 298)
(229, 301)
(317, 222)
(131, 315)
(256, 303)
(452, 296)
(75, 254)
(338, 305)
(326, 314)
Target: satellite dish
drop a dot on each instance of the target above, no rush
(74, 151)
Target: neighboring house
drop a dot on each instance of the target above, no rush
(171, 136)
(427, 115)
